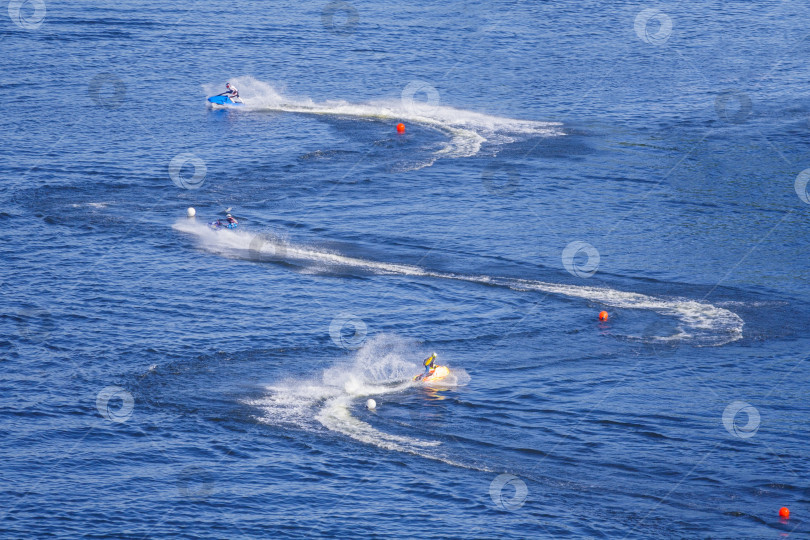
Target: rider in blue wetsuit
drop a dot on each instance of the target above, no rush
(229, 222)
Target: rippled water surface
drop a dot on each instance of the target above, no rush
(165, 380)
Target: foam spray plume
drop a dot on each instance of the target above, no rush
(384, 365)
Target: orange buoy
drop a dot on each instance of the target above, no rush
(784, 512)
(603, 316)
(400, 128)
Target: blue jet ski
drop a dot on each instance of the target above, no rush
(224, 101)
(222, 224)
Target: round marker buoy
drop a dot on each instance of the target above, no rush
(603, 316)
(784, 513)
(400, 128)
(191, 212)
(371, 404)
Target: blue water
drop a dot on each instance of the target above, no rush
(164, 380)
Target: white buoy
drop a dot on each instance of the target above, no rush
(191, 212)
(371, 404)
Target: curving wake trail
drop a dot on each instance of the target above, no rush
(466, 130)
(377, 369)
(703, 323)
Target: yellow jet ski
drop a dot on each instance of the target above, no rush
(436, 375)
(434, 372)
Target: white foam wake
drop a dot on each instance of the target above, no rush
(466, 130)
(707, 323)
(702, 322)
(383, 366)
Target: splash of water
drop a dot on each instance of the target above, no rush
(384, 365)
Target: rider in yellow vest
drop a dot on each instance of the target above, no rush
(430, 366)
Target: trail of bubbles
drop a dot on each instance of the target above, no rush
(378, 368)
(707, 324)
(467, 130)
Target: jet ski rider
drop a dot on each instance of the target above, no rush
(232, 92)
(430, 366)
(229, 222)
